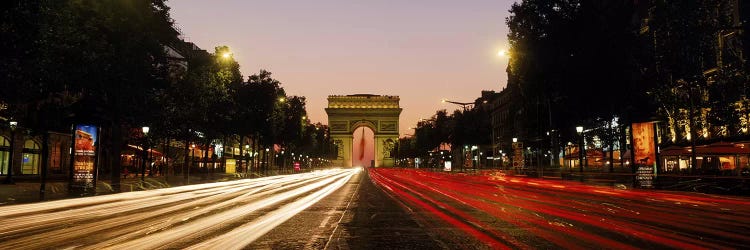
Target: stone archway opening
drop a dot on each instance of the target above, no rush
(363, 148)
(347, 114)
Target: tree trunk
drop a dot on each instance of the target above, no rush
(185, 165)
(611, 140)
(693, 135)
(242, 155)
(166, 158)
(45, 164)
(223, 161)
(115, 155)
(623, 145)
(255, 149)
(205, 157)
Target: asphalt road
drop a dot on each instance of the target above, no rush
(359, 216)
(382, 209)
(333, 209)
(530, 213)
(225, 215)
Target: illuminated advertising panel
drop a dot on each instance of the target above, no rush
(84, 157)
(644, 149)
(447, 166)
(231, 166)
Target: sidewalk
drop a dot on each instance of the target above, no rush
(27, 191)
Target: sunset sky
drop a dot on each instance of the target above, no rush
(420, 50)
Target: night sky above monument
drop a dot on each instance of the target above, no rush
(420, 50)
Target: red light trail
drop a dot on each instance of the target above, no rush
(553, 214)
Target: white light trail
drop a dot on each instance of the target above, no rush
(246, 234)
(171, 217)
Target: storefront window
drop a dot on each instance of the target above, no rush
(744, 165)
(30, 158)
(4, 154)
(55, 163)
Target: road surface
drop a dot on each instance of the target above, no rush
(382, 209)
(513, 212)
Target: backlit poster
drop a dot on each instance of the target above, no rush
(644, 149)
(84, 167)
(231, 166)
(447, 166)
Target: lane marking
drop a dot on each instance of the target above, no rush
(335, 228)
(325, 221)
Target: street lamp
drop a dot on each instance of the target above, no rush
(283, 161)
(144, 149)
(513, 156)
(9, 178)
(463, 105)
(192, 160)
(579, 129)
(503, 53)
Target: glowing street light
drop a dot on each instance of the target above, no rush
(503, 53)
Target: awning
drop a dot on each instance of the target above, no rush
(719, 148)
(674, 151)
(723, 148)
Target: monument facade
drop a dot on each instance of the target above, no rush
(380, 113)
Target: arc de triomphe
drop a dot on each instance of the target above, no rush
(380, 113)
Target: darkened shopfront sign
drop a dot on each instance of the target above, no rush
(84, 157)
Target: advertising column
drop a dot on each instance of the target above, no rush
(84, 157)
(644, 148)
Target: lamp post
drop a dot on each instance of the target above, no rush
(192, 161)
(283, 161)
(9, 178)
(266, 162)
(579, 129)
(246, 159)
(514, 155)
(144, 150)
(463, 105)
